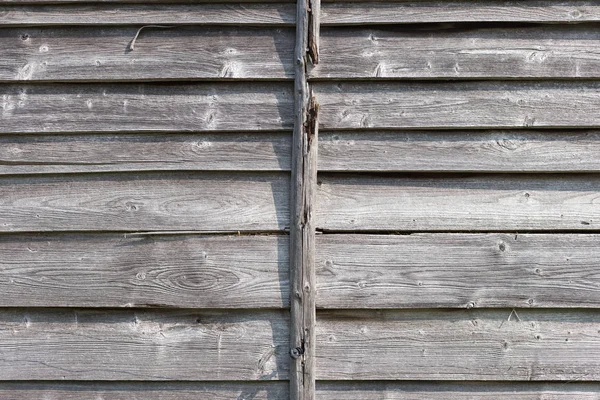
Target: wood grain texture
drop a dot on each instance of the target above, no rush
(104, 13)
(458, 270)
(460, 151)
(458, 203)
(210, 202)
(266, 390)
(179, 53)
(48, 154)
(456, 391)
(458, 105)
(501, 345)
(144, 271)
(139, 345)
(423, 11)
(146, 107)
(462, 53)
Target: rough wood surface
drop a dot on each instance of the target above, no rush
(467, 53)
(144, 271)
(458, 203)
(519, 345)
(458, 270)
(45, 154)
(458, 105)
(460, 151)
(144, 14)
(303, 196)
(179, 53)
(266, 390)
(394, 12)
(145, 202)
(456, 391)
(137, 345)
(146, 107)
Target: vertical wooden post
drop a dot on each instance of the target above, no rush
(303, 186)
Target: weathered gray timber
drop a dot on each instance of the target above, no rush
(458, 270)
(208, 202)
(146, 107)
(458, 202)
(303, 196)
(518, 345)
(124, 270)
(83, 344)
(459, 105)
(484, 53)
(49, 154)
(265, 390)
(46, 54)
(105, 13)
(460, 151)
(406, 11)
(455, 391)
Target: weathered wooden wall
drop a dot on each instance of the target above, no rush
(145, 193)
(145, 199)
(458, 200)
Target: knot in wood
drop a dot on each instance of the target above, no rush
(296, 352)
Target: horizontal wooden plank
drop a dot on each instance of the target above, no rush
(266, 390)
(456, 391)
(142, 345)
(460, 151)
(468, 53)
(100, 54)
(502, 345)
(144, 271)
(458, 270)
(458, 203)
(424, 11)
(458, 105)
(25, 154)
(146, 107)
(145, 202)
(105, 13)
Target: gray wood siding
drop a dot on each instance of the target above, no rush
(46, 54)
(495, 345)
(145, 107)
(73, 153)
(458, 202)
(458, 270)
(133, 270)
(140, 345)
(460, 151)
(145, 202)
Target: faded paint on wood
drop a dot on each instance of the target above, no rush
(266, 390)
(458, 270)
(104, 13)
(209, 202)
(456, 391)
(476, 53)
(137, 345)
(48, 154)
(146, 107)
(458, 202)
(460, 151)
(402, 11)
(112, 270)
(501, 345)
(459, 105)
(180, 53)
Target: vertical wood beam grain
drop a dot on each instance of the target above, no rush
(303, 187)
